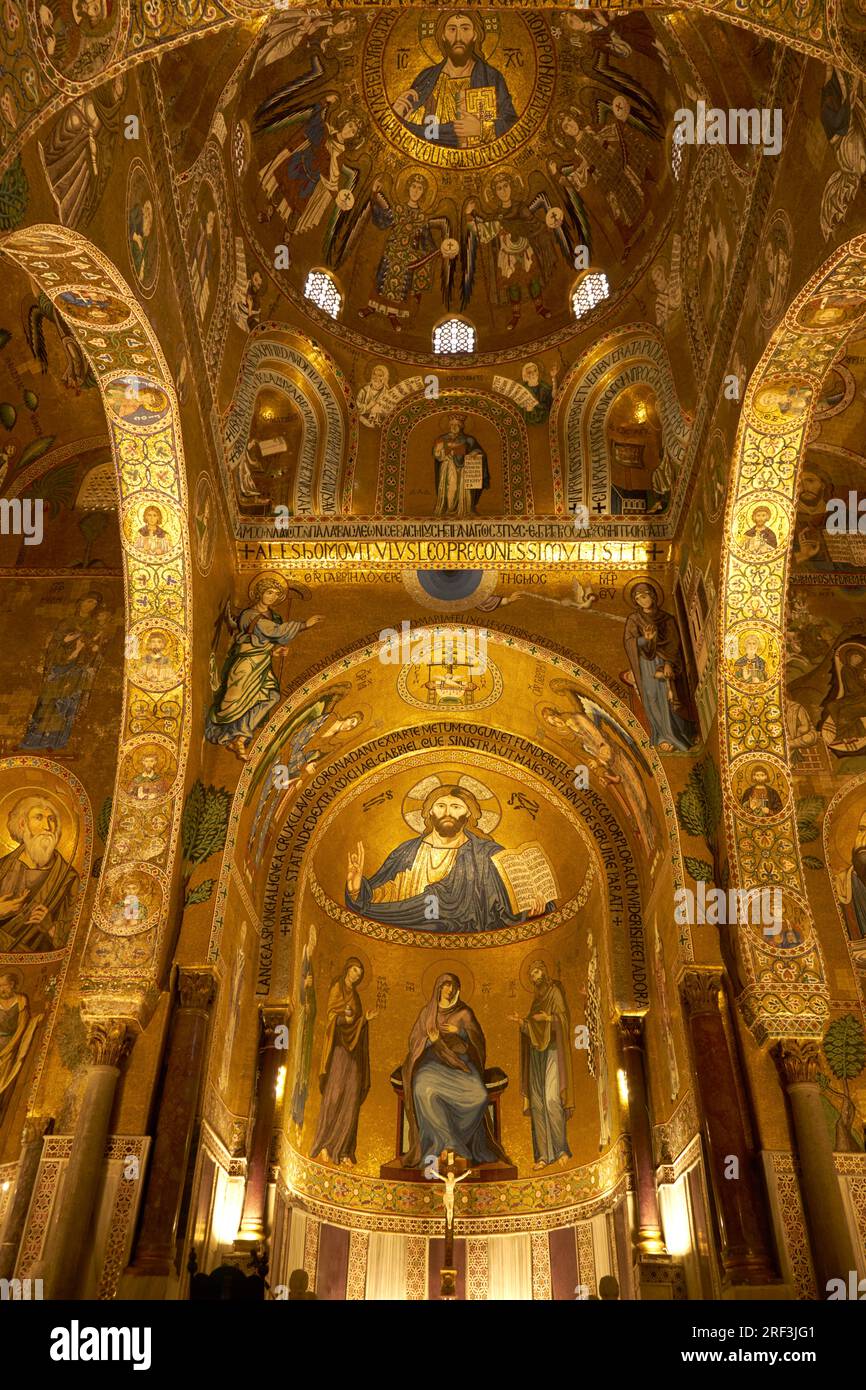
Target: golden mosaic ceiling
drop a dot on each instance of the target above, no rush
(486, 194)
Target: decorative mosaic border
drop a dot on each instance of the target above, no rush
(544, 1202)
(126, 1203)
(120, 970)
(416, 1269)
(785, 994)
(356, 1278)
(794, 1225)
(56, 1151)
(542, 1286)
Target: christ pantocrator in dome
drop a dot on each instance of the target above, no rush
(463, 100)
(444, 880)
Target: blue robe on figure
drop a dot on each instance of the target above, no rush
(471, 898)
(483, 75)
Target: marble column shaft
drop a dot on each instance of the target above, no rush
(648, 1237)
(252, 1227)
(740, 1198)
(155, 1247)
(35, 1129)
(108, 1040)
(799, 1064)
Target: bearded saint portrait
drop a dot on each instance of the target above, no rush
(38, 888)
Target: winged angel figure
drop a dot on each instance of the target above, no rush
(416, 240)
(611, 752)
(310, 177)
(247, 689)
(517, 238)
(613, 149)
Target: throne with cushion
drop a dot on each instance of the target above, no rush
(496, 1082)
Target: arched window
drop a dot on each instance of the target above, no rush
(321, 291)
(592, 289)
(454, 335)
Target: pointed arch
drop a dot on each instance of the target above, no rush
(625, 358)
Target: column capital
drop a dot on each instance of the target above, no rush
(798, 1060)
(109, 1040)
(631, 1027)
(275, 1016)
(196, 987)
(701, 990)
(35, 1126)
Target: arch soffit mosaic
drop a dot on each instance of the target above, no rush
(338, 675)
(785, 991)
(627, 357)
(129, 931)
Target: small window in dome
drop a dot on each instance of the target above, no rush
(455, 335)
(592, 289)
(321, 291)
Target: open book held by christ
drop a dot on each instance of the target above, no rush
(527, 874)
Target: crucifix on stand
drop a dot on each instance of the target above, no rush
(448, 1273)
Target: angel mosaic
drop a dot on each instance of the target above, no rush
(843, 116)
(317, 30)
(618, 155)
(612, 753)
(290, 755)
(77, 373)
(247, 688)
(517, 237)
(416, 243)
(309, 176)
